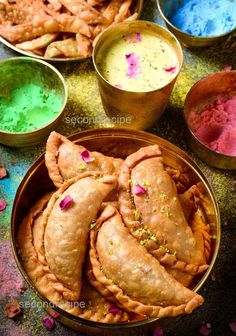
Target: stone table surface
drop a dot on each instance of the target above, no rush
(84, 101)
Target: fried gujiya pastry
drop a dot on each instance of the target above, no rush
(126, 271)
(32, 254)
(151, 209)
(65, 160)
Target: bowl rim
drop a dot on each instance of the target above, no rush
(142, 23)
(215, 74)
(60, 77)
(112, 132)
(202, 38)
(58, 59)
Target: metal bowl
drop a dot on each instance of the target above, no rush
(120, 143)
(167, 8)
(136, 8)
(200, 95)
(13, 73)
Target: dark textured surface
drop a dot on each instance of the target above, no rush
(219, 291)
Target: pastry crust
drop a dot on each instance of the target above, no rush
(140, 284)
(63, 160)
(160, 222)
(29, 241)
(66, 231)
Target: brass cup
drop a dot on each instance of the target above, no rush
(138, 110)
(167, 8)
(200, 95)
(13, 73)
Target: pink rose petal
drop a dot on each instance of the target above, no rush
(3, 205)
(85, 156)
(3, 172)
(133, 67)
(54, 314)
(12, 309)
(227, 67)
(48, 322)
(139, 190)
(66, 202)
(157, 332)
(232, 326)
(170, 69)
(119, 86)
(114, 310)
(133, 38)
(203, 330)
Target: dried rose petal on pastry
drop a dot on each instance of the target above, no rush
(156, 218)
(135, 278)
(67, 227)
(64, 160)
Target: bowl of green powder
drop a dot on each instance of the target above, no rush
(33, 95)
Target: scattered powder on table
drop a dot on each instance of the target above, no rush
(205, 17)
(216, 125)
(11, 281)
(28, 107)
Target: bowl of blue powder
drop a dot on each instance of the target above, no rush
(199, 23)
(33, 95)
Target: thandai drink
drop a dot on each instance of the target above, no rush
(139, 62)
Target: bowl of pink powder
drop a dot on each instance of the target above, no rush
(210, 113)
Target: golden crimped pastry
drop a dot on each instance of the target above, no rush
(143, 248)
(140, 284)
(155, 216)
(66, 230)
(30, 242)
(51, 28)
(63, 160)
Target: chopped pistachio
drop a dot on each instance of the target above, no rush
(144, 241)
(93, 224)
(129, 181)
(136, 215)
(146, 184)
(110, 242)
(153, 238)
(139, 265)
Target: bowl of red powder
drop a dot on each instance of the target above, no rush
(210, 113)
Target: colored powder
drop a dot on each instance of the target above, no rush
(11, 281)
(28, 108)
(216, 125)
(205, 17)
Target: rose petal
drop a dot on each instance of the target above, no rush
(170, 69)
(119, 86)
(139, 190)
(203, 330)
(54, 314)
(3, 172)
(227, 67)
(232, 326)
(114, 310)
(48, 322)
(138, 37)
(21, 287)
(85, 156)
(133, 38)
(12, 309)
(158, 332)
(133, 67)
(66, 202)
(3, 205)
